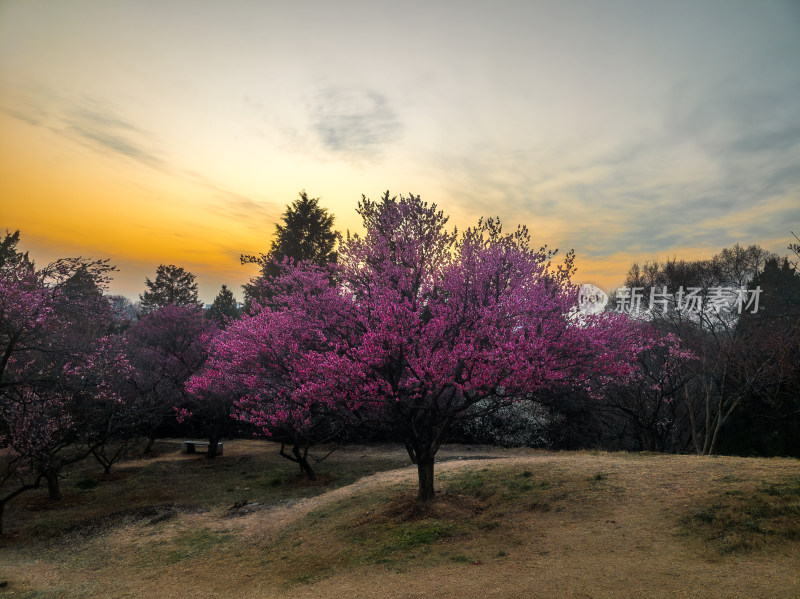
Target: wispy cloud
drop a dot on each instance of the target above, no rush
(86, 121)
(96, 125)
(25, 114)
(355, 124)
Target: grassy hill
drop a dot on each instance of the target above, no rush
(507, 523)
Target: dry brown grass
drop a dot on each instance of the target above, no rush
(526, 524)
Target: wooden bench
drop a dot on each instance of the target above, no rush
(190, 446)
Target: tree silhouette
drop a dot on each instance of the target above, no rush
(173, 286)
(306, 233)
(224, 307)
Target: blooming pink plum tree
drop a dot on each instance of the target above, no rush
(48, 319)
(416, 326)
(26, 419)
(258, 363)
(105, 402)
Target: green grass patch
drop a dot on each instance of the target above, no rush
(186, 545)
(413, 535)
(391, 529)
(194, 543)
(502, 485)
(86, 484)
(749, 519)
(396, 543)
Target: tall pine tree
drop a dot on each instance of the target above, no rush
(173, 286)
(305, 233)
(224, 307)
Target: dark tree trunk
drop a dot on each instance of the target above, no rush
(53, 490)
(150, 441)
(303, 462)
(18, 491)
(107, 455)
(424, 455)
(425, 472)
(301, 458)
(102, 460)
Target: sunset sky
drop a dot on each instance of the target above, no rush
(176, 132)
